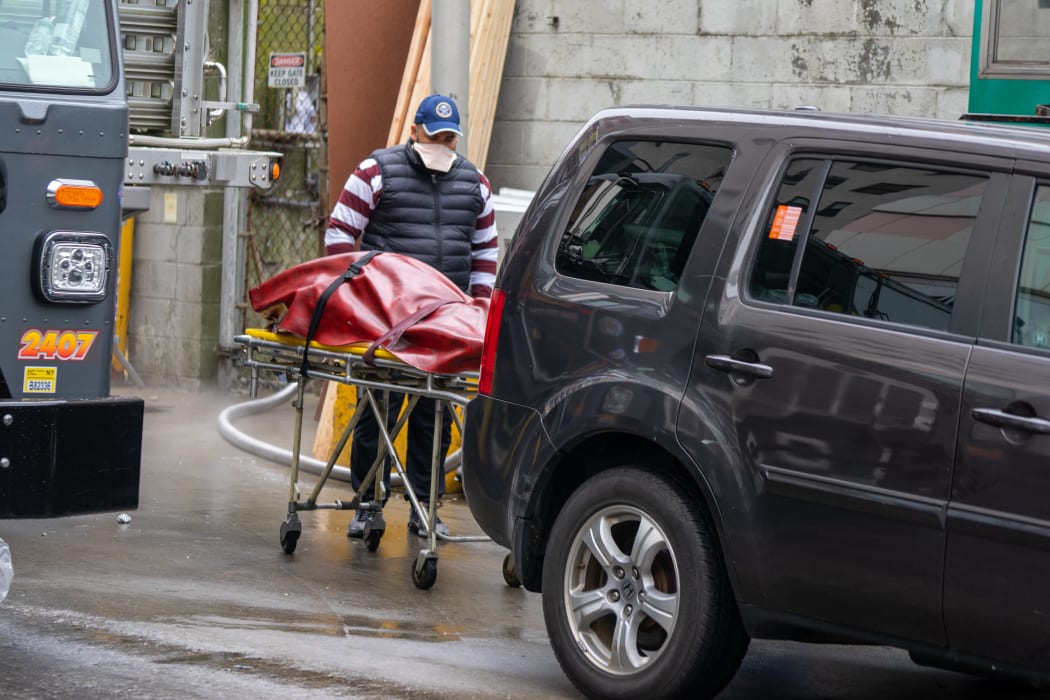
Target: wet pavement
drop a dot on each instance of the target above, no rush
(194, 598)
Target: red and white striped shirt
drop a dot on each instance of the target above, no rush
(358, 201)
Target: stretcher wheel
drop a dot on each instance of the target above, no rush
(372, 540)
(510, 572)
(291, 528)
(288, 542)
(425, 574)
(373, 531)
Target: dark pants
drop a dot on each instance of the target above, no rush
(420, 428)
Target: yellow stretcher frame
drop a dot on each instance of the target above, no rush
(285, 353)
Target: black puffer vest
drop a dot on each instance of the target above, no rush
(425, 214)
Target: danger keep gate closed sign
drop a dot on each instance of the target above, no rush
(287, 70)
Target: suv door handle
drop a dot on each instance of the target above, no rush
(730, 364)
(1002, 419)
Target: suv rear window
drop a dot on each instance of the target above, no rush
(639, 214)
(885, 241)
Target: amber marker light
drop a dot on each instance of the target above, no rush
(275, 171)
(73, 194)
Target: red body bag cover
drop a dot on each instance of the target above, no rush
(387, 292)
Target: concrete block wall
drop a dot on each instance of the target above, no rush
(569, 58)
(566, 60)
(173, 320)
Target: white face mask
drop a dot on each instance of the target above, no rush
(436, 156)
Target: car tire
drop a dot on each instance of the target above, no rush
(636, 599)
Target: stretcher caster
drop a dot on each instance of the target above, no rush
(425, 571)
(510, 572)
(374, 531)
(291, 528)
(372, 540)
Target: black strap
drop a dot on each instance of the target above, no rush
(394, 334)
(351, 272)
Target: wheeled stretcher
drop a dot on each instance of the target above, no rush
(286, 353)
(381, 323)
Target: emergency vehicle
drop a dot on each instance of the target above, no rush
(99, 99)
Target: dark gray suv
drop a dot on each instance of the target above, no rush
(774, 374)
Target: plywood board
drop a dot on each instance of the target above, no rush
(490, 24)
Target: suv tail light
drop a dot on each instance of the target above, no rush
(488, 351)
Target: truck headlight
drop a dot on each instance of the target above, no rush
(73, 266)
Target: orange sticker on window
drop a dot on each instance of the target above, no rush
(785, 222)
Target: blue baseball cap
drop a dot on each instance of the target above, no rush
(438, 113)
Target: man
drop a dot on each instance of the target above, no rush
(423, 200)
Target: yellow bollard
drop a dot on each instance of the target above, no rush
(120, 325)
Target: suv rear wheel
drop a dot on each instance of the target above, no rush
(635, 597)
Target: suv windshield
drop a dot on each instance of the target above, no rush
(54, 43)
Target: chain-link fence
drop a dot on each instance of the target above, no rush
(286, 224)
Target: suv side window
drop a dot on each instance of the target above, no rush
(638, 216)
(885, 241)
(1032, 307)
